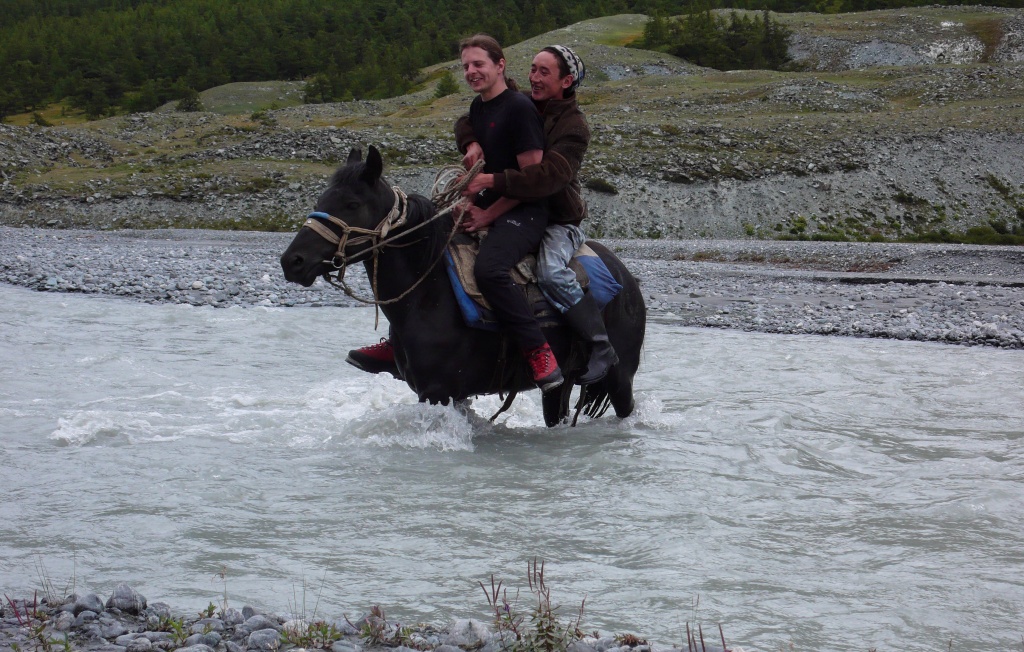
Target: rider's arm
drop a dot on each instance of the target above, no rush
(563, 157)
(482, 218)
(464, 136)
(560, 163)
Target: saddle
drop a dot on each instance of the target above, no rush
(460, 257)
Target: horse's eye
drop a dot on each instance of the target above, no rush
(352, 206)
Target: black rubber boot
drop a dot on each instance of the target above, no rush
(585, 318)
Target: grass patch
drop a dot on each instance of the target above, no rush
(989, 31)
(600, 185)
(243, 98)
(618, 30)
(909, 199)
(57, 114)
(999, 186)
(976, 235)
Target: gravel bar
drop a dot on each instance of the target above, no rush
(958, 294)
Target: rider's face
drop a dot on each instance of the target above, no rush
(546, 82)
(482, 74)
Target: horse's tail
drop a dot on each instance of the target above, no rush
(626, 320)
(593, 401)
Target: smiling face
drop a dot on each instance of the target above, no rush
(546, 81)
(482, 74)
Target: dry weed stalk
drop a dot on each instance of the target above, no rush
(545, 633)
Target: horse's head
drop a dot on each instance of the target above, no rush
(339, 232)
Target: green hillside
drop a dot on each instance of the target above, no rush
(895, 124)
(105, 57)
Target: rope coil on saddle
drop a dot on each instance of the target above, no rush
(446, 195)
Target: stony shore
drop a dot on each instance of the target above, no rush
(128, 622)
(959, 294)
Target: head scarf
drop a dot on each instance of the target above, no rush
(576, 68)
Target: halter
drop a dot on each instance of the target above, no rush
(396, 217)
(448, 185)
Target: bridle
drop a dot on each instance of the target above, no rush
(377, 236)
(446, 191)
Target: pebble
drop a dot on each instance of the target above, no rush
(953, 294)
(153, 628)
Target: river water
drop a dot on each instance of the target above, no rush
(805, 492)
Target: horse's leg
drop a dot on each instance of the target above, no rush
(620, 390)
(556, 404)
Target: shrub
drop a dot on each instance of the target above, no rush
(600, 185)
(190, 102)
(446, 85)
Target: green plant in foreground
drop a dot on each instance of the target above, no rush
(29, 616)
(544, 632)
(317, 634)
(376, 630)
(176, 627)
(307, 631)
(43, 643)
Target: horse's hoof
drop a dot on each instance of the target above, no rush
(622, 414)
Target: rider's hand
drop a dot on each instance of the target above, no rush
(461, 211)
(474, 153)
(476, 218)
(478, 183)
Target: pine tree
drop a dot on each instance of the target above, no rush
(446, 85)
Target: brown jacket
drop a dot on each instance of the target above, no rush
(557, 177)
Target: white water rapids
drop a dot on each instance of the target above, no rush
(824, 493)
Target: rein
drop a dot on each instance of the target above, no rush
(447, 191)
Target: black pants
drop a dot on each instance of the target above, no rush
(511, 236)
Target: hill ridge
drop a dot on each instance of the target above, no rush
(847, 153)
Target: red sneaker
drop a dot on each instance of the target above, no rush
(374, 359)
(544, 366)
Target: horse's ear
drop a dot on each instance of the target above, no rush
(374, 167)
(355, 155)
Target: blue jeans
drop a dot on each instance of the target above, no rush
(556, 280)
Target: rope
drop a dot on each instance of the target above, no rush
(449, 182)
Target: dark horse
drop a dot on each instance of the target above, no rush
(439, 356)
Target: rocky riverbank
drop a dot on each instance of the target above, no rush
(128, 622)
(890, 124)
(959, 294)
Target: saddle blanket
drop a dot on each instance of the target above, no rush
(590, 270)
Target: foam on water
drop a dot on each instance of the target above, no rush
(414, 426)
(117, 428)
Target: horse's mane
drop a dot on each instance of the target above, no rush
(437, 232)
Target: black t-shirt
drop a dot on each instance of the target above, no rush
(506, 126)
